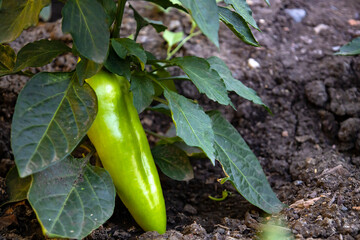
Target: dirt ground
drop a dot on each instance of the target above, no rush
(309, 148)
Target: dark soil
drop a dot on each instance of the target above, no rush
(309, 148)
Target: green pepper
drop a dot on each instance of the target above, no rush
(124, 151)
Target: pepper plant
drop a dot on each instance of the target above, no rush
(55, 111)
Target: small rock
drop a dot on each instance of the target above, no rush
(354, 22)
(298, 182)
(320, 28)
(174, 24)
(336, 48)
(285, 134)
(316, 93)
(310, 161)
(296, 13)
(349, 130)
(343, 208)
(252, 63)
(304, 138)
(190, 209)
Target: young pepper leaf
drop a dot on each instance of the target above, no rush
(241, 166)
(172, 38)
(192, 124)
(16, 187)
(203, 12)
(238, 26)
(39, 53)
(85, 20)
(52, 115)
(173, 162)
(72, 198)
(18, 15)
(125, 46)
(233, 84)
(205, 79)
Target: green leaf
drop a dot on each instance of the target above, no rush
(352, 48)
(150, 56)
(117, 65)
(143, 91)
(173, 162)
(126, 46)
(238, 26)
(161, 108)
(7, 59)
(233, 84)
(194, 152)
(16, 187)
(179, 143)
(242, 167)
(110, 9)
(52, 115)
(18, 15)
(166, 4)
(0, 4)
(192, 124)
(205, 13)
(205, 79)
(39, 53)
(142, 22)
(172, 38)
(86, 69)
(242, 8)
(45, 13)
(85, 20)
(72, 198)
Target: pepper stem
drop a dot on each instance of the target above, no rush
(119, 17)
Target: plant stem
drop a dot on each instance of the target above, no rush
(191, 35)
(119, 17)
(25, 73)
(155, 134)
(160, 100)
(162, 67)
(185, 78)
